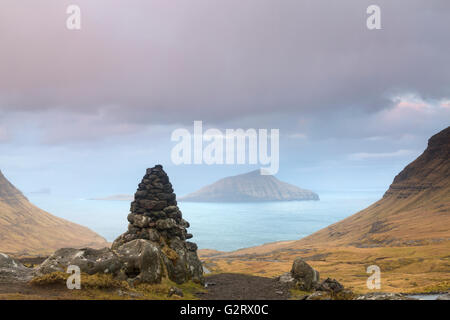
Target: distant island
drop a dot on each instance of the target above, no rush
(250, 187)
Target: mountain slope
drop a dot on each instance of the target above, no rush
(251, 186)
(406, 234)
(26, 229)
(415, 209)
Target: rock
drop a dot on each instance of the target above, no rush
(191, 246)
(141, 261)
(184, 223)
(287, 279)
(170, 209)
(319, 295)
(175, 291)
(13, 271)
(383, 296)
(195, 267)
(444, 297)
(139, 220)
(129, 294)
(153, 235)
(90, 261)
(165, 224)
(156, 220)
(306, 277)
(330, 285)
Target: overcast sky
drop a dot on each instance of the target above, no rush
(83, 113)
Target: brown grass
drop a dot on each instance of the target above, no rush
(403, 269)
(105, 287)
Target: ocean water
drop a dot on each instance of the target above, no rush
(223, 226)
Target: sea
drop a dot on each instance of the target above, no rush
(223, 226)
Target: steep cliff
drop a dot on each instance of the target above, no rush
(414, 210)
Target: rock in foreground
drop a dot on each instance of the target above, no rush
(303, 277)
(12, 271)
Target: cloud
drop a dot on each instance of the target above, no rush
(445, 104)
(4, 135)
(379, 155)
(219, 62)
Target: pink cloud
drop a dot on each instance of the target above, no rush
(413, 105)
(445, 104)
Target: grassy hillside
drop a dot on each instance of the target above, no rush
(406, 233)
(27, 230)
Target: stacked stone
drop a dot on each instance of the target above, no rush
(154, 246)
(155, 215)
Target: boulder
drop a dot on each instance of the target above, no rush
(140, 261)
(319, 295)
(175, 291)
(306, 277)
(330, 285)
(90, 261)
(445, 296)
(13, 271)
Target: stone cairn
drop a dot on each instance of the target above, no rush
(153, 248)
(156, 217)
(154, 213)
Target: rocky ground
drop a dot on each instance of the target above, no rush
(301, 283)
(231, 286)
(154, 260)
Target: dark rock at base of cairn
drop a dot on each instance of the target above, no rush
(155, 217)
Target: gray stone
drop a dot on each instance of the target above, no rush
(153, 235)
(319, 295)
(444, 297)
(170, 209)
(165, 224)
(306, 277)
(175, 291)
(141, 261)
(90, 261)
(287, 279)
(184, 223)
(13, 271)
(141, 221)
(330, 285)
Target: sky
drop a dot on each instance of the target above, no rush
(84, 112)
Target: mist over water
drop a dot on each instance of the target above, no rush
(223, 226)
